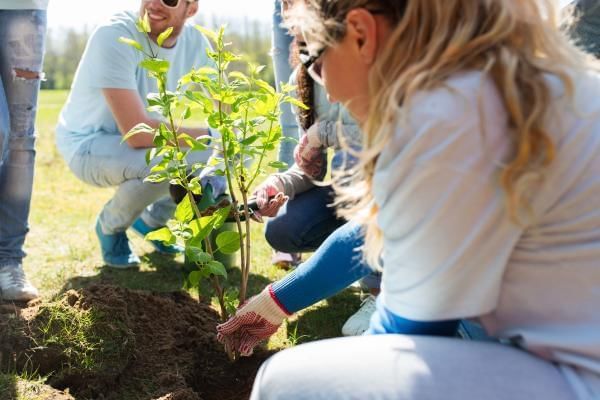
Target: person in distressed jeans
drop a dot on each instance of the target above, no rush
(22, 36)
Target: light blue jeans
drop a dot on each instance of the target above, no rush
(104, 161)
(281, 65)
(401, 367)
(22, 37)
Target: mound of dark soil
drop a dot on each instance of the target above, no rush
(135, 345)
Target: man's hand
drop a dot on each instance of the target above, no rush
(256, 320)
(310, 155)
(217, 182)
(270, 196)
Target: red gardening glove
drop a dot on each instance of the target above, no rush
(270, 196)
(310, 156)
(256, 320)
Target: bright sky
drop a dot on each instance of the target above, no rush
(78, 13)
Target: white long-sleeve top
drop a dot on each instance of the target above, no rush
(450, 249)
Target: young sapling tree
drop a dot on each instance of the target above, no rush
(244, 110)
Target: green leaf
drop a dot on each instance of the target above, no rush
(278, 165)
(159, 141)
(207, 71)
(286, 87)
(195, 186)
(139, 128)
(214, 120)
(155, 65)
(265, 86)
(212, 35)
(164, 36)
(197, 254)
(220, 216)
(131, 43)
(163, 234)
(257, 121)
(187, 113)
(216, 268)
(146, 22)
(201, 228)
(249, 140)
(184, 211)
(194, 278)
(228, 242)
(156, 178)
(239, 75)
(231, 299)
(296, 102)
(192, 143)
(228, 56)
(150, 154)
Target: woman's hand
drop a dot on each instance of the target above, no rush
(270, 196)
(256, 320)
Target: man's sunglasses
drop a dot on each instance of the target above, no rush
(174, 3)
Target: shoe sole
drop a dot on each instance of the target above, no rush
(19, 300)
(125, 266)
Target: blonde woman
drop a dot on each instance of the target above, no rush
(478, 188)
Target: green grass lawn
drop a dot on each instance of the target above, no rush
(63, 251)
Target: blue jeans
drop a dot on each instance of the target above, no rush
(303, 223)
(104, 161)
(281, 65)
(22, 37)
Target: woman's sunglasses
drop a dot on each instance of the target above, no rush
(312, 62)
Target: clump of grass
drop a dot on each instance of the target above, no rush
(85, 340)
(293, 338)
(23, 385)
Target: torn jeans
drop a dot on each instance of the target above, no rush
(22, 36)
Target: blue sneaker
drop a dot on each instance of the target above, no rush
(116, 251)
(142, 229)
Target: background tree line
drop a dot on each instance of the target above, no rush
(64, 47)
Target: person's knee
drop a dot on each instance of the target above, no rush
(276, 379)
(280, 236)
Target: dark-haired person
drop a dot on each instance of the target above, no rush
(586, 25)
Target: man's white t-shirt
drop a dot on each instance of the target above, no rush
(450, 249)
(108, 63)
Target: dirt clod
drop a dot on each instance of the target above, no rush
(142, 345)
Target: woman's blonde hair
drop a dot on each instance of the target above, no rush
(516, 42)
